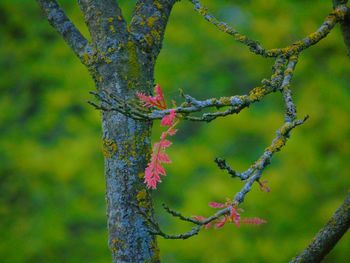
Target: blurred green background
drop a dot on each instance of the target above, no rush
(52, 206)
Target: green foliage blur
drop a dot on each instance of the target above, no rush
(52, 206)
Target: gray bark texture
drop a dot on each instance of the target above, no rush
(344, 25)
(121, 61)
(328, 236)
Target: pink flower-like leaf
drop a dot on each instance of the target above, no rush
(155, 167)
(163, 157)
(168, 120)
(221, 222)
(151, 177)
(235, 217)
(216, 205)
(165, 143)
(153, 101)
(253, 221)
(172, 131)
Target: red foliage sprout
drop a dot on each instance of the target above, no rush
(233, 217)
(155, 167)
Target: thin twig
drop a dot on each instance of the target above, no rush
(331, 20)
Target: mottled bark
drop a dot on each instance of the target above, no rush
(121, 64)
(58, 19)
(328, 236)
(104, 20)
(148, 24)
(121, 68)
(344, 25)
(126, 144)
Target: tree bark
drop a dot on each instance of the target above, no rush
(126, 145)
(120, 68)
(344, 25)
(121, 61)
(328, 236)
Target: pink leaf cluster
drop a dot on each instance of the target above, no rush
(156, 101)
(233, 217)
(155, 167)
(168, 120)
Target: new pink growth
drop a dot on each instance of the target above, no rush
(155, 167)
(234, 216)
(168, 119)
(153, 101)
(221, 222)
(253, 221)
(216, 205)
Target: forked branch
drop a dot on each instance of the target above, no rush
(104, 20)
(254, 172)
(58, 19)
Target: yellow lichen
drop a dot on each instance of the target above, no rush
(112, 29)
(338, 13)
(203, 11)
(109, 148)
(151, 21)
(142, 199)
(158, 5)
(288, 71)
(257, 93)
(241, 38)
(116, 244)
(277, 145)
(141, 195)
(155, 249)
(222, 27)
(149, 39)
(133, 65)
(107, 60)
(86, 58)
(225, 100)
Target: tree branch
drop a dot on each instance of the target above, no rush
(235, 103)
(58, 19)
(104, 20)
(254, 172)
(345, 24)
(148, 23)
(328, 236)
(331, 20)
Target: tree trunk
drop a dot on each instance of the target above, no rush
(126, 148)
(121, 60)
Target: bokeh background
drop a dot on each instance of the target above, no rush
(52, 206)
